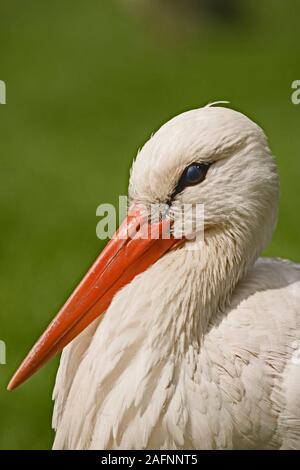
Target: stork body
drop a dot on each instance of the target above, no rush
(201, 349)
(150, 375)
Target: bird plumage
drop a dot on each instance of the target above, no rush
(200, 350)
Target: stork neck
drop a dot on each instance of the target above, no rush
(219, 264)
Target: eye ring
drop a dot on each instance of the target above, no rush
(193, 174)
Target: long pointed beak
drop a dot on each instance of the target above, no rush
(135, 246)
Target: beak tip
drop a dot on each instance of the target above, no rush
(14, 382)
(11, 386)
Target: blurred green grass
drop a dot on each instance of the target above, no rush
(87, 83)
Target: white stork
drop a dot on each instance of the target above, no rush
(197, 349)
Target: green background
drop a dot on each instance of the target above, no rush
(87, 83)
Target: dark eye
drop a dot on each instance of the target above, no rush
(193, 174)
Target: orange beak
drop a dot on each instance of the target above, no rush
(131, 251)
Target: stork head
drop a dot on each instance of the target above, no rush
(211, 156)
(216, 157)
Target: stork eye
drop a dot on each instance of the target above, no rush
(193, 174)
